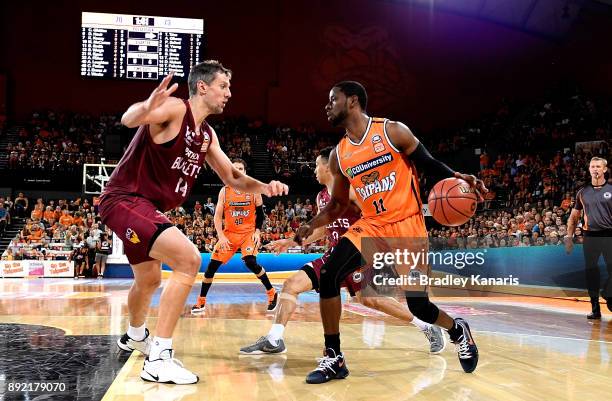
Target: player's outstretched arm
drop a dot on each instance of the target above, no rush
(158, 109)
(218, 161)
(282, 245)
(404, 140)
(340, 200)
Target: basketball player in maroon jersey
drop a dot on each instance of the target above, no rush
(156, 174)
(307, 278)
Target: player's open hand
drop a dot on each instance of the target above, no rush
(276, 188)
(161, 93)
(303, 232)
(224, 244)
(281, 245)
(475, 183)
(257, 238)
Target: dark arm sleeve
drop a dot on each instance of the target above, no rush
(432, 167)
(259, 217)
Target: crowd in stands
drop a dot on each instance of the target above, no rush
(541, 223)
(292, 152)
(532, 158)
(63, 229)
(282, 220)
(235, 137)
(58, 230)
(60, 142)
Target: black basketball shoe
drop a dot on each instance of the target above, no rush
(466, 347)
(331, 366)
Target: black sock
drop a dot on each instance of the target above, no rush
(204, 289)
(333, 341)
(265, 281)
(455, 332)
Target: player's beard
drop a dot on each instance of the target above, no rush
(339, 119)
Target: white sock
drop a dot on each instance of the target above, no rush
(136, 333)
(158, 345)
(276, 333)
(419, 323)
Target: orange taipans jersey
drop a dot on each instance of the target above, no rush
(239, 211)
(384, 179)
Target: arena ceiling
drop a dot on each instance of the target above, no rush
(550, 18)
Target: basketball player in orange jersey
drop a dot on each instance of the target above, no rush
(377, 159)
(156, 174)
(307, 278)
(244, 216)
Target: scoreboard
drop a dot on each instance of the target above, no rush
(139, 47)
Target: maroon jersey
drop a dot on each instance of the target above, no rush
(164, 175)
(336, 229)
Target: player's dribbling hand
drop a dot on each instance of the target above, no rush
(280, 245)
(160, 94)
(303, 232)
(224, 244)
(276, 188)
(475, 183)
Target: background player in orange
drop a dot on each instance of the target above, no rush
(307, 278)
(376, 158)
(156, 174)
(243, 216)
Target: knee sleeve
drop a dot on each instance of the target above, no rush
(251, 263)
(288, 297)
(212, 268)
(421, 307)
(182, 278)
(344, 259)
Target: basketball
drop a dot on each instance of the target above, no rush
(452, 202)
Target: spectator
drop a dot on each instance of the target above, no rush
(21, 205)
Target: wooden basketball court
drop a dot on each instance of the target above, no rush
(530, 348)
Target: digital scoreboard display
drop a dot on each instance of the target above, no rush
(139, 47)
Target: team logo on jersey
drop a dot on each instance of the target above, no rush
(240, 213)
(239, 203)
(379, 148)
(192, 137)
(607, 195)
(373, 184)
(206, 142)
(370, 178)
(376, 139)
(357, 276)
(368, 165)
(132, 236)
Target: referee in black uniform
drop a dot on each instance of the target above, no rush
(595, 200)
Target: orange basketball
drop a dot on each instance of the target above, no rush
(452, 202)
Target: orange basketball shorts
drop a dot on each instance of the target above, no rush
(242, 241)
